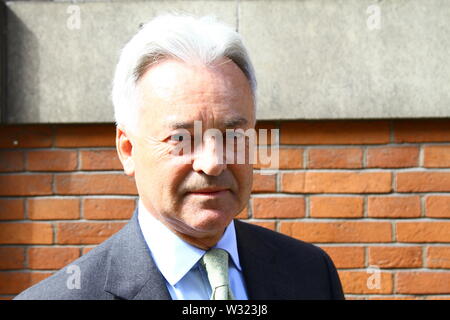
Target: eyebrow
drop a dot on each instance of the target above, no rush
(235, 122)
(180, 125)
(228, 123)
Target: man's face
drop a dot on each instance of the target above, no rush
(196, 194)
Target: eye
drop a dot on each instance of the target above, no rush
(179, 137)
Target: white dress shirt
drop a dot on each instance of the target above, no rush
(179, 262)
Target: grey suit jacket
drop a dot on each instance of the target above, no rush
(274, 267)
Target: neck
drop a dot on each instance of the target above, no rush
(204, 241)
(201, 243)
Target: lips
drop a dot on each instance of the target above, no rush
(209, 191)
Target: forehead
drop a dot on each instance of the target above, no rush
(176, 92)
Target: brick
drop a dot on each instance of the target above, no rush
(337, 158)
(76, 184)
(86, 232)
(341, 256)
(12, 258)
(16, 282)
(264, 183)
(287, 159)
(394, 207)
(86, 135)
(291, 158)
(52, 160)
(53, 209)
(98, 208)
(25, 184)
(26, 233)
(422, 130)
(438, 257)
(423, 282)
(393, 298)
(86, 250)
(265, 224)
(436, 156)
(423, 181)
(348, 182)
(100, 160)
(26, 136)
(437, 206)
(336, 207)
(293, 182)
(42, 258)
(342, 231)
(11, 161)
(12, 209)
(423, 231)
(278, 207)
(337, 182)
(334, 132)
(360, 282)
(392, 157)
(395, 257)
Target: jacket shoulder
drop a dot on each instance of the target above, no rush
(304, 263)
(82, 279)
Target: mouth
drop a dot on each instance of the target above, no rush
(209, 192)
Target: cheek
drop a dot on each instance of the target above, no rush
(150, 173)
(151, 157)
(244, 177)
(162, 175)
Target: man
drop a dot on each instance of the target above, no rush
(177, 73)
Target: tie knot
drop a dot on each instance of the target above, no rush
(215, 262)
(216, 258)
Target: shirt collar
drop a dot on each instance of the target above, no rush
(173, 256)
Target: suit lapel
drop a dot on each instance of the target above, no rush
(263, 273)
(132, 273)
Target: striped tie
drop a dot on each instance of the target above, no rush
(215, 262)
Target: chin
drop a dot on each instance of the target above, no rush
(211, 221)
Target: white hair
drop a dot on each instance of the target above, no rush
(182, 37)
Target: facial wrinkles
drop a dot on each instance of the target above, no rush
(160, 149)
(180, 226)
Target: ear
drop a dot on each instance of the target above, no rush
(124, 148)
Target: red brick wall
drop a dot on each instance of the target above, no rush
(371, 193)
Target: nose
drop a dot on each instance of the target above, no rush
(209, 158)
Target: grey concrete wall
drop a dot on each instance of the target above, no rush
(315, 59)
(331, 59)
(60, 73)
